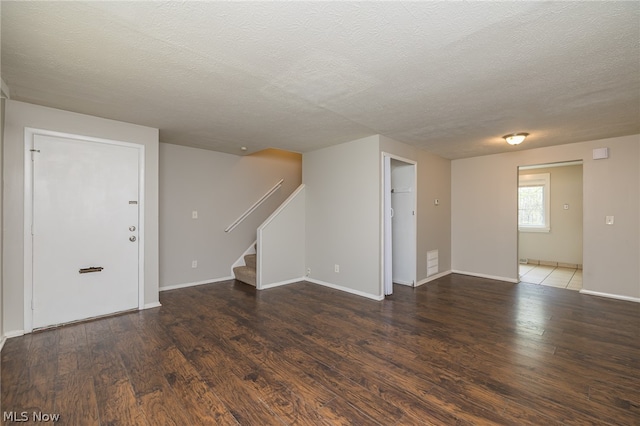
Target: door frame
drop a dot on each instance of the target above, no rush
(385, 245)
(29, 136)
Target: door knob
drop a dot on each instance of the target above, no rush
(132, 238)
(132, 228)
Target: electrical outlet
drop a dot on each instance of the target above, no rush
(308, 271)
(194, 214)
(194, 263)
(336, 268)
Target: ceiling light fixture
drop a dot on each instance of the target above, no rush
(515, 138)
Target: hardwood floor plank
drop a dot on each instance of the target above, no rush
(198, 399)
(117, 404)
(79, 405)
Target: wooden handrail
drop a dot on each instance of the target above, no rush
(255, 205)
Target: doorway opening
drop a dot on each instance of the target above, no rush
(399, 237)
(550, 224)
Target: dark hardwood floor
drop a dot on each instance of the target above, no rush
(459, 350)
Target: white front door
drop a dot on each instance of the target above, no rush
(85, 215)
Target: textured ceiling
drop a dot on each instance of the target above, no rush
(449, 77)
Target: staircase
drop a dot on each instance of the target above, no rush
(247, 273)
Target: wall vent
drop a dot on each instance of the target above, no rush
(432, 262)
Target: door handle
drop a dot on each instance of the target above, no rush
(132, 238)
(132, 228)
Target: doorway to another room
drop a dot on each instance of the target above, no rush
(550, 222)
(399, 222)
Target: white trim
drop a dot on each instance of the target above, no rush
(345, 289)
(259, 232)
(550, 165)
(152, 305)
(433, 277)
(2, 341)
(14, 333)
(196, 283)
(611, 296)
(384, 154)
(490, 277)
(141, 227)
(405, 283)
(29, 135)
(281, 207)
(281, 283)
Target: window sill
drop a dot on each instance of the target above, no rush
(526, 229)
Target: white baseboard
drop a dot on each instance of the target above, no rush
(4, 339)
(345, 289)
(13, 333)
(491, 277)
(278, 284)
(401, 282)
(433, 277)
(211, 281)
(152, 305)
(611, 296)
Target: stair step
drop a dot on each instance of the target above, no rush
(245, 274)
(250, 260)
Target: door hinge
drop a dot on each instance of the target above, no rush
(33, 151)
(33, 305)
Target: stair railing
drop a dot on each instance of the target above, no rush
(255, 205)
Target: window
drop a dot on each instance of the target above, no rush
(534, 193)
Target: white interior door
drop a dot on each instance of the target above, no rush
(85, 215)
(403, 222)
(387, 238)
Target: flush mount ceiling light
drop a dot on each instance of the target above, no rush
(515, 138)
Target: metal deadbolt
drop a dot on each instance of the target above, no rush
(132, 238)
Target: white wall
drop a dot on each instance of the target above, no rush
(281, 243)
(19, 115)
(433, 222)
(220, 187)
(343, 216)
(563, 243)
(484, 213)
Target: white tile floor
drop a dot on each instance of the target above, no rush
(552, 276)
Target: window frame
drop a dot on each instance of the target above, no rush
(539, 179)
